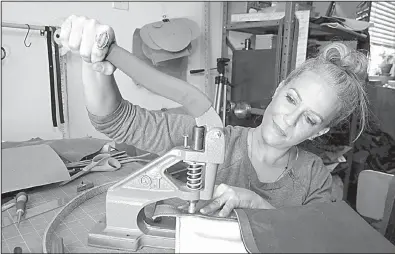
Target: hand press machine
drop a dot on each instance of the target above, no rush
(127, 225)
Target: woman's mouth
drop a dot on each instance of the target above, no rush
(278, 129)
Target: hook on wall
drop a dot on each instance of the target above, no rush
(165, 19)
(28, 30)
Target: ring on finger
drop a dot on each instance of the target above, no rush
(102, 40)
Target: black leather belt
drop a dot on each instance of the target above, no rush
(52, 78)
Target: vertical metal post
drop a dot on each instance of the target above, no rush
(294, 45)
(289, 21)
(208, 89)
(222, 87)
(224, 49)
(279, 53)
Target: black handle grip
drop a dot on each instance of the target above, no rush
(196, 71)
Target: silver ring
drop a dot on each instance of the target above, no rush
(102, 40)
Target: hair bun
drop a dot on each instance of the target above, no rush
(352, 61)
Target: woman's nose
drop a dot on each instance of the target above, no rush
(291, 118)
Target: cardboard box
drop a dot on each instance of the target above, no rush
(264, 41)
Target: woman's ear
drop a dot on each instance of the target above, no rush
(320, 133)
(278, 88)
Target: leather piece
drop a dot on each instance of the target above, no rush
(321, 227)
(388, 221)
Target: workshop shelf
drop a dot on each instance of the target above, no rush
(255, 27)
(327, 33)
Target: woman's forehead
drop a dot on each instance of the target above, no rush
(315, 92)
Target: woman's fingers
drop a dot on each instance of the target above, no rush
(66, 30)
(227, 208)
(104, 67)
(88, 39)
(103, 39)
(108, 68)
(77, 27)
(220, 196)
(214, 205)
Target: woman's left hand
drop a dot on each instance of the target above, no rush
(229, 197)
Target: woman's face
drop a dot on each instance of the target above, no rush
(300, 110)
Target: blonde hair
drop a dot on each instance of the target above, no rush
(346, 70)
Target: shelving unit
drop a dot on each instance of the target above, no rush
(286, 31)
(261, 27)
(284, 28)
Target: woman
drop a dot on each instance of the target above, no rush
(263, 168)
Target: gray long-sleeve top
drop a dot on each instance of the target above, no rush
(307, 181)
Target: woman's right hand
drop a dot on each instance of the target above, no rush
(90, 39)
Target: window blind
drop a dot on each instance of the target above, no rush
(382, 15)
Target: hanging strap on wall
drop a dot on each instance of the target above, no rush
(58, 80)
(51, 76)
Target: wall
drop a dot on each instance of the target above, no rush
(124, 24)
(25, 88)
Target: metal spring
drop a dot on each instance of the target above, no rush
(194, 178)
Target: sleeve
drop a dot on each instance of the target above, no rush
(155, 132)
(320, 187)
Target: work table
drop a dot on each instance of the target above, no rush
(74, 230)
(344, 223)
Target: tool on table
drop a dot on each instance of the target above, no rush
(21, 199)
(37, 210)
(84, 186)
(122, 157)
(131, 203)
(8, 205)
(100, 163)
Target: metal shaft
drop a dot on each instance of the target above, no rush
(219, 97)
(192, 206)
(224, 99)
(216, 97)
(24, 26)
(19, 212)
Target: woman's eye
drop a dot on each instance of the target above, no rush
(310, 121)
(290, 99)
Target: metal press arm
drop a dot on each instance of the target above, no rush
(195, 102)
